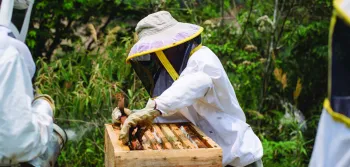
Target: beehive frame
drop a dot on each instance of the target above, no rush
(183, 154)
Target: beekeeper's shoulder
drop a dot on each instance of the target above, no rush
(206, 56)
(8, 52)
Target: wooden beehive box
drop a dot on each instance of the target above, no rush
(175, 149)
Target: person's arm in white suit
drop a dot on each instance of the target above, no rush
(26, 127)
(183, 92)
(195, 81)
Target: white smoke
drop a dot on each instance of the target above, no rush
(77, 134)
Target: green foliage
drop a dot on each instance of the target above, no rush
(284, 144)
(87, 152)
(81, 46)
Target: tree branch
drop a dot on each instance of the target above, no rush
(57, 39)
(283, 24)
(222, 12)
(246, 24)
(99, 30)
(270, 51)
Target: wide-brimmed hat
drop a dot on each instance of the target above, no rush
(159, 31)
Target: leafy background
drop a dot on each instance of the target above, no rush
(274, 52)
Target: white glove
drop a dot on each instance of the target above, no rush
(117, 114)
(22, 4)
(48, 99)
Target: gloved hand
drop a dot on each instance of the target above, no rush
(142, 118)
(46, 98)
(117, 114)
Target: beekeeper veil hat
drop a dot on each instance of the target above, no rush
(162, 50)
(9, 34)
(15, 15)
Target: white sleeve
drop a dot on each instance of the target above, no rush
(25, 127)
(191, 85)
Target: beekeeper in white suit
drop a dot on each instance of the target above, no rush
(187, 82)
(331, 146)
(28, 135)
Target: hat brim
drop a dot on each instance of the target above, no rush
(170, 37)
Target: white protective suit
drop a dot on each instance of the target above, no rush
(25, 127)
(204, 95)
(332, 143)
(201, 94)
